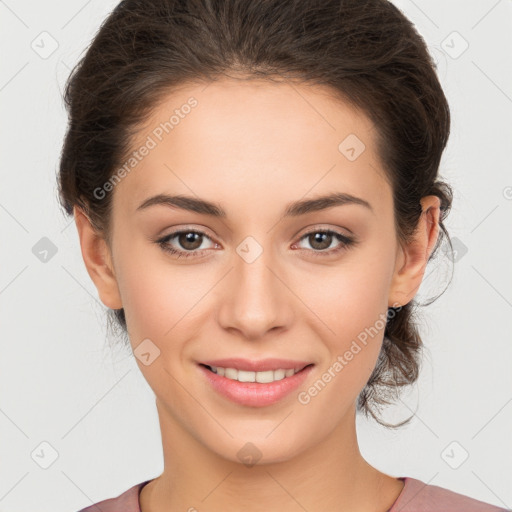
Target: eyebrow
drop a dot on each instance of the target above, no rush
(294, 209)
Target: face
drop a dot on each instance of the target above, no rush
(265, 279)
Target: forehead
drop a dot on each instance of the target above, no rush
(276, 139)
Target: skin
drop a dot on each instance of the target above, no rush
(253, 147)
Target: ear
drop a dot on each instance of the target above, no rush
(413, 258)
(98, 260)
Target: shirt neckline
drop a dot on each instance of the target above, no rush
(405, 479)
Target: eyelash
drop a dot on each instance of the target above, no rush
(345, 243)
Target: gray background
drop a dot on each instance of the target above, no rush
(61, 384)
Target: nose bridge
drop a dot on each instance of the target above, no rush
(255, 298)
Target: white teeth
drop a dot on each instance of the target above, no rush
(262, 377)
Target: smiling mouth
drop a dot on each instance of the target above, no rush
(262, 377)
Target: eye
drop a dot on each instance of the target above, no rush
(321, 240)
(189, 239)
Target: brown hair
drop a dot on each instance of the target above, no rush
(366, 51)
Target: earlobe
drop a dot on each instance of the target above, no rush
(413, 257)
(98, 260)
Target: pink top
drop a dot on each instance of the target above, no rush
(416, 496)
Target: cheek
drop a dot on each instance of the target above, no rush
(157, 298)
(351, 303)
(349, 298)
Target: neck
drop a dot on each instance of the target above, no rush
(331, 475)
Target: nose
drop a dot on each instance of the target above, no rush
(255, 298)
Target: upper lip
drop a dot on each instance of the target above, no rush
(257, 366)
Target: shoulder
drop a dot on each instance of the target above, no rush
(417, 496)
(128, 501)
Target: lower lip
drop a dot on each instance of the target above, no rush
(255, 394)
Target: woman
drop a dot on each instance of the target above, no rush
(255, 186)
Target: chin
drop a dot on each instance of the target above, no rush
(257, 450)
